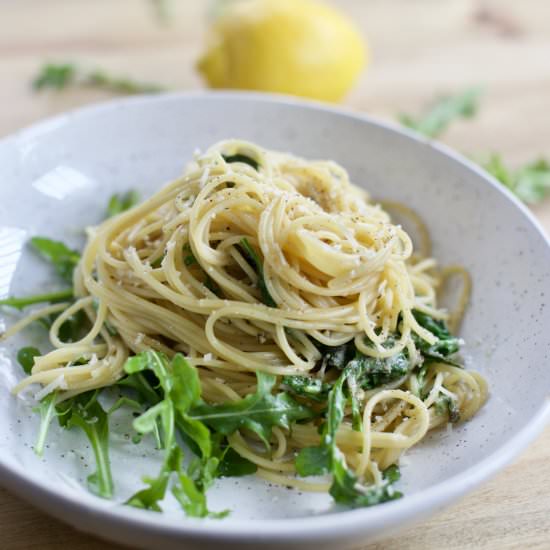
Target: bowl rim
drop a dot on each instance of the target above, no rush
(327, 526)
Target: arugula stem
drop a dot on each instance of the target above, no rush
(103, 474)
(47, 413)
(20, 303)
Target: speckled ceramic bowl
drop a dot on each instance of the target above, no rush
(55, 179)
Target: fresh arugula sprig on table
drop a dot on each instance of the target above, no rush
(436, 119)
(530, 183)
(59, 76)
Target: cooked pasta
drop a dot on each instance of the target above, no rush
(259, 261)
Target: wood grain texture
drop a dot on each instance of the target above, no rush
(419, 48)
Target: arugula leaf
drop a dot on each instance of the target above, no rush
(327, 458)
(392, 473)
(63, 259)
(161, 413)
(181, 389)
(190, 492)
(213, 286)
(48, 412)
(530, 183)
(321, 459)
(347, 492)
(52, 297)
(238, 157)
(437, 118)
(149, 498)
(186, 392)
(232, 464)
(85, 412)
(446, 405)
(255, 261)
(58, 254)
(420, 376)
(72, 329)
(190, 496)
(373, 372)
(55, 76)
(58, 76)
(435, 326)
(307, 386)
(145, 390)
(147, 422)
(258, 412)
(313, 461)
(25, 357)
(446, 344)
(119, 85)
(338, 356)
(189, 258)
(120, 202)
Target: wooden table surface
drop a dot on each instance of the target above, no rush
(419, 48)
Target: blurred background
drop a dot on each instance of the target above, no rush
(473, 73)
(389, 56)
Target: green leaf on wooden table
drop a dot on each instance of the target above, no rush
(436, 119)
(530, 183)
(58, 76)
(55, 76)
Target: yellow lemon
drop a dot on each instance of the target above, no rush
(298, 47)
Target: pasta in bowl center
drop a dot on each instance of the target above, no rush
(261, 315)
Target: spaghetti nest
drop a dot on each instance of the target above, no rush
(261, 261)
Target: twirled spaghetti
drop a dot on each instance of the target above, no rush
(261, 261)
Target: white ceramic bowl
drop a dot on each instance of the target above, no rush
(55, 178)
